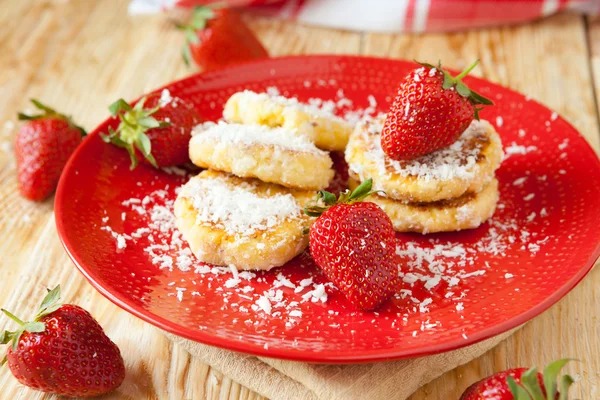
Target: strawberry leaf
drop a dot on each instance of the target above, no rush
(6, 337)
(148, 122)
(476, 98)
(186, 54)
(144, 144)
(42, 107)
(51, 298)
(119, 106)
(551, 373)
(565, 383)
(448, 81)
(16, 338)
(530, 382)
(12, 316)
(517, 391)
(426, 65)
(462, 89)
(35, 327)
(328, 198)
(49, 113)
(25, 117)
(191, 37)
(362, 190)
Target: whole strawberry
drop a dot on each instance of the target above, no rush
(522, 384)
(430, 111)
(42, 147)
(63, 351)
(157, 129)
(353, 242)
(216, 37)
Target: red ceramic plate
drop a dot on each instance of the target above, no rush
(459, 288)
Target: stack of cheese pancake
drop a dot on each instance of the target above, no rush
(451, 189)
(264, 163)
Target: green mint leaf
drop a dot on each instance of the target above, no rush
(118, 106)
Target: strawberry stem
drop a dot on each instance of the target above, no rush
(13, 317)
(466, 71)
(48, 112)
(50, 304)
(315, 209)
(131, 132)
(529, 388)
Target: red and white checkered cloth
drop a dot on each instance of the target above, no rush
(394, 15)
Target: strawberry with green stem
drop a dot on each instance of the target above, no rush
(523, 384)
(43, 146)
(430, 111)
(353, 242)
(63, 351)
(155, 129)
(216, 37)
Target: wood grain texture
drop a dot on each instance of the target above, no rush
(80, 55)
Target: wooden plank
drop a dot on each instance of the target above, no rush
(593, 24)
(549, 61)
(81, 55)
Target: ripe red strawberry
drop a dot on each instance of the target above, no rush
(522, 384)
(430, 111)
(63, 351)
(157, 129)
(216, 37)
(42, 147)
(353, 242)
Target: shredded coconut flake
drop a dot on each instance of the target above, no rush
(230, 134)
(237, 209)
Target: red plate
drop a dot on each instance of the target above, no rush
(539, 245)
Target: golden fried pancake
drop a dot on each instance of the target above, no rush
(465, 212)
(242, 222)
(467, 166)
(326, 130)
(275, 155)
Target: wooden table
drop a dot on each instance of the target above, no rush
(81, 55)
